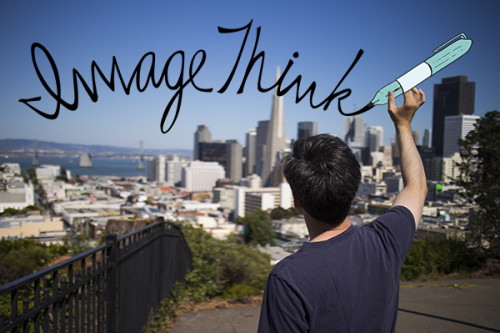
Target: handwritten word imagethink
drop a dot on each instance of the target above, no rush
(177, 83)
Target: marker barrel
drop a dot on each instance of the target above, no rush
(415, 76)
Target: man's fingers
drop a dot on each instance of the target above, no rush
(422, 96)
(392, 104)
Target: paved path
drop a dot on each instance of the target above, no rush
(461, 306)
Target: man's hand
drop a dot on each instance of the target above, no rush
(403, 115)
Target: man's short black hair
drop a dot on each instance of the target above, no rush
(324, 176)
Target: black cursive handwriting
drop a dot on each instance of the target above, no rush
(177, 83)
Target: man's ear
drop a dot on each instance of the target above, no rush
(296, 203)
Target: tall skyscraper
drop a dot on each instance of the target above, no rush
(453, 96)
(260, 145)
(455, 128)
(275, 139)
(374, 138)
(416, 137)
(156, 169)
(250, 152)
(173, 170)
(355, 129)
(427, 138)
(306, 129)
(234, 161)
(202, 134)
(214, 151)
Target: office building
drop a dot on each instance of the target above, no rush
(250, 152)
(275, 139)
(156, 169)
(416, 137)
(452, 97)
(374, 138)
(202, 134)
(234, 160)
(426, 142)
(260, 145)
(201, 176)
(214, 151)
(247, 200)
(228, 154)
(46, 229)
(306, 129)
(173, 170)
(456, 128)
(355, 130)
(16, 194)
(449, 168)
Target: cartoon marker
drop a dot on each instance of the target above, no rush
(443, 56)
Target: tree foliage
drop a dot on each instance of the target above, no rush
(13, 211)
(24, 256)
(257, 228)
(219, 266)
(77, 243)
(480, 178)
(433, 258)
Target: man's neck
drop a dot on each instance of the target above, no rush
(321, 231)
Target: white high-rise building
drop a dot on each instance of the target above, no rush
(173, 171)
(449, 169)
(455, 128)
(201, 176)
(156, 169)
(248, 200)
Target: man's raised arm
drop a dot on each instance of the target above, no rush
(415, 184)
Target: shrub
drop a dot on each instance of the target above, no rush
(437, 257)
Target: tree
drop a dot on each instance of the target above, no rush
(23, 256)
(32, 175)
(480, 178)
(280, 213)
(77, 243)
(258, 228)
(63, 175)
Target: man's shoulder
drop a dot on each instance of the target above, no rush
(294, 265)
(399, 214)
(287, 263)
(395, 228)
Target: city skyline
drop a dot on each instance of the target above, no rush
(327, 36)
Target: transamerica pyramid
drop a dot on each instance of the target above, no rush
(276, 139)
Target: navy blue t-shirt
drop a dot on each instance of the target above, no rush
(349, 283)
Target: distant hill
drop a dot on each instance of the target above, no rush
(24, 146)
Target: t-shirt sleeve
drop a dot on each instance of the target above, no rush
(282, 308)
(396, 227)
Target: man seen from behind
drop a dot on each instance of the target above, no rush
(346, 278)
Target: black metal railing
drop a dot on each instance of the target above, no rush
(115, 287)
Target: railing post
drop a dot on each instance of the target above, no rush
(111, 284)
(161, 263)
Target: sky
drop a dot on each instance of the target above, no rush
(322, 38)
